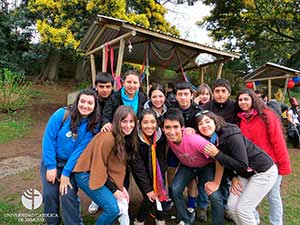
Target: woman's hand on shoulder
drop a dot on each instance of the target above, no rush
(64, 184)
(51, 175)
(189, 131)
(106, 127)
(211, 150)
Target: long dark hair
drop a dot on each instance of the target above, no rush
(93, 118)
(257, 104)
(219, 121)
(125, 146)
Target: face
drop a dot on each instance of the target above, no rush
(131, 84)
(127, 124)
(183, 98)
(148, 125)
(207, 126)
(221, 94)
(86, 105)
(104, 89)
(173, 131)
(158, 99)
(204, 97)
(245, 102)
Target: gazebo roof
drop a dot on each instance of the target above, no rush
(164, 49)
(272, 71)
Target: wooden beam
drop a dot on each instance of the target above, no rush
(271, 78)
(104, 60)
(97, 38)
(202, 75)
(124, 36)
(93, 69)
(220, 67)
(270, 89)
(120, 57)
(285, 89)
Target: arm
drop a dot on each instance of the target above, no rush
(212, 186)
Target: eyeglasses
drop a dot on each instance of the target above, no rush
(202, 113)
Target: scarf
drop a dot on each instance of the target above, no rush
(133, 103)
(158, 186)
(249, 115)
(214, 139)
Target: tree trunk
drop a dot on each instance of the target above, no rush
(52, 65)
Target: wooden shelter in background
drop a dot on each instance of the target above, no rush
(160, 49)
(272, 75)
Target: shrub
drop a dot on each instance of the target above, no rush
(14, 90)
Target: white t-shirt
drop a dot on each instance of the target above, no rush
(295, 118)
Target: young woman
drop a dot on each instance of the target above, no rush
(68, 132)
(101, 169)
(293, 117)
(253, 172)
(262, 126)
(203, 95)
(157, 101)
(129, 95)
(152, 151)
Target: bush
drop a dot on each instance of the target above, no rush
(14, 90)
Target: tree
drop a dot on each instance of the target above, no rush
(62, 24)
(262, 30)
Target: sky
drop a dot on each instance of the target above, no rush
(184, 17)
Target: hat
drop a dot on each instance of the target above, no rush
(294, 101)
(221, 83)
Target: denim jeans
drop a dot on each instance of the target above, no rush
(70, 203)
(182, 178)
(102, 196)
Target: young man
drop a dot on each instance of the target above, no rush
(104, 87)
(222, 106)
(189, 149)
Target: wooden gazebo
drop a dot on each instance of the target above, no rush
(272, 74)
(137, 44)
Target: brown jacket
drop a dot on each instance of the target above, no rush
(101, 162)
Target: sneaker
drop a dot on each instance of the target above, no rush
(202, 214)
(93, 208)
(192, 217)
(160, 222)
(136, 222)
(228, 215)
(190, 210)
(182, 223)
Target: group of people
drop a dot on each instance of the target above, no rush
(228, 154)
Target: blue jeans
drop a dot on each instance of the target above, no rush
(102, 196)
(70, 203)
(182, 178)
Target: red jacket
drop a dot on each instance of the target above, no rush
(270, 138)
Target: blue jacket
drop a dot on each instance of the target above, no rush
(58, 142)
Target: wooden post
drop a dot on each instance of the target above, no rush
(220, 67)
(120, 57)
(202, 75)
(285, 89)
(269, 89)
(104, 60)
(93, 69)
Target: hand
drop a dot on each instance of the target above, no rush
(152, 196)
(106, 127)
(236, 186)
(211, 187)
(190, 131)
(51, 175)
(211, 150)
(64, 184)
(119, 195)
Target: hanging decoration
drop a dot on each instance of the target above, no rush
(249, 85)
(290, 84)
(130, 47)
(296, 79)
(258, 82)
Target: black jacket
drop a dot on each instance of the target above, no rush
(141, 165)
(113, 103)
(227, 110)
(239, 154)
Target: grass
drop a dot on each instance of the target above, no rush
(13, 126)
